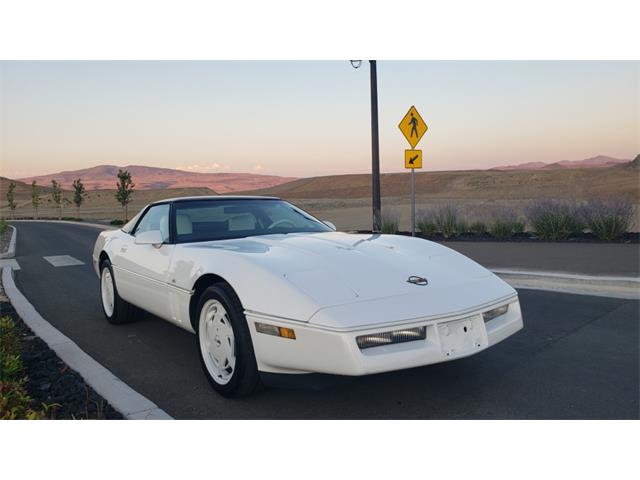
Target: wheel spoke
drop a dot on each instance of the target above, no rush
(217, 341)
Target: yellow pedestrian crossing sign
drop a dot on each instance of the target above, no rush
(413, 159)
(413, 127)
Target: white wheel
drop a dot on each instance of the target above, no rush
(106, 289)
(217, 342)
(115, 309)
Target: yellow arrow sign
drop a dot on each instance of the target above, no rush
(413, 127)
(413, 159)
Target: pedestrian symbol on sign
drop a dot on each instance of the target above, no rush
(413, 127)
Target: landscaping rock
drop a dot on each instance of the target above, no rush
(51, 382)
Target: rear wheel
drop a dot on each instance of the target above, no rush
(224, 342)
(115, 309)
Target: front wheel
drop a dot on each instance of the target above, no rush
(115, 309)
(224, 341)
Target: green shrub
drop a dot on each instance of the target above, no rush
(426, 226)
(478, 227)
(446, 220)
(390, 222)
(555, 219)
(9, 338)
(501, 229)
(4, 226)
(518, 227)
(608, 220)
(117, 222)
(504, 223)
(14, 401)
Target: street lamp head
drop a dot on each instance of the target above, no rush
(356, 63)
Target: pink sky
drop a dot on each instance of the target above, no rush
(310, 118)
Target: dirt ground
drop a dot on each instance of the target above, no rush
(356, 214)
(346, 199)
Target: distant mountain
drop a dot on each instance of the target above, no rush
(522, 166)
(600, 161)
(147, 178)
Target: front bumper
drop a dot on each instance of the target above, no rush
(321, 350)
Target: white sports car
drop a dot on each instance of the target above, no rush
(266, 287)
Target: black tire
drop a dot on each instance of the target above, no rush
(123, 312)
(245, 378)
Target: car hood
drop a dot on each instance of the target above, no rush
(337, 268)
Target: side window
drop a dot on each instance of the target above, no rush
(156, 218)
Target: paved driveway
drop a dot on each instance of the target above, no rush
(576, 358)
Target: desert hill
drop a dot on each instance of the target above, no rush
(581, 183)
(148, 178)
(599, 161)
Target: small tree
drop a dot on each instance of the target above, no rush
(124, 191)
(56, 195)
(35, 198)
(10, 197)
(79, 194)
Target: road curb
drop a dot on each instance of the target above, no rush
(131, 404)
(11, 251)
(601, 286)
(92, 225)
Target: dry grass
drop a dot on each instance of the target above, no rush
(345, 199)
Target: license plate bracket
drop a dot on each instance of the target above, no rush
(462, 337)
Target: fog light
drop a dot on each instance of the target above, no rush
(388, 338)
(496, 312)
(275, 331)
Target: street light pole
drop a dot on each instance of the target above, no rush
(375, 147)
(375, 151)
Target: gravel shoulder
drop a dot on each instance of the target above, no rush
(52, 382)
(5, 239)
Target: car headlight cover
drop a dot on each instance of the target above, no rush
(388, 338)
(496, 312)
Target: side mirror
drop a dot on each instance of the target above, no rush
(330, 225)
(150, 237)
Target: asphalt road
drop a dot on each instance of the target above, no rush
(616, 259)
(577, 357)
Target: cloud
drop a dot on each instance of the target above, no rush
(212, 167)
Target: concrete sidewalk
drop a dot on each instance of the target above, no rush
(597, 259)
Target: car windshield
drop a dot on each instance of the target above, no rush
(217, 219)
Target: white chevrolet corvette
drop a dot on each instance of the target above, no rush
(266, 287)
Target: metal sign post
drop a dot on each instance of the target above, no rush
(413, 128)
(413, 202)
(413, 160)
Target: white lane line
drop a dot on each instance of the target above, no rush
(600, 286)
(131, 404)
(9, 262)
(63, 261)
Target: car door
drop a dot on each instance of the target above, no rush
(143, 269)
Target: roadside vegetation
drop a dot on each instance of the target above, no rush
(390, 222)
(56, 195)
(608, 220)
(124, 192)
(35, 384)
(35, 198)
(15, 403)
(11, 203)
(79, 195)
(546, 219)
(123, 195)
